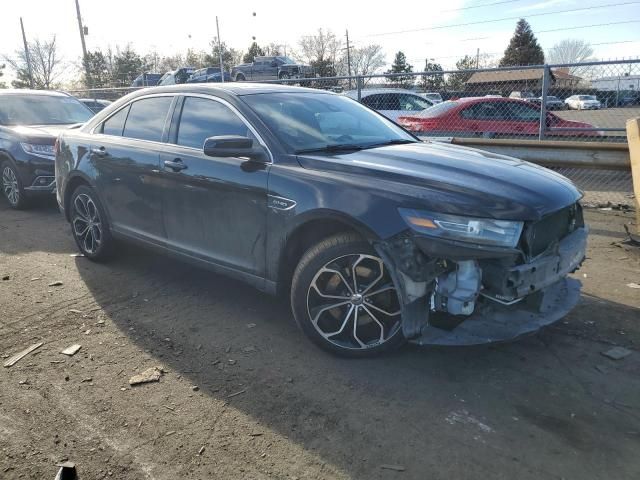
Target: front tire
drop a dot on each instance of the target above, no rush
(240, 77)
(12, 187)
(89, 225)
(344, 299)
(284, 76)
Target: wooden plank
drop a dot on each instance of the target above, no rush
(18, 356)
(633, 137)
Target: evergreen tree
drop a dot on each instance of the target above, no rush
(523, 48)
(2, 84)
(95, 64)
(432, 81)
(457, 80)
(253, 52)
(400, 65)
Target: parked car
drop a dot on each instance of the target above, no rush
(523, 95)
(630, 99)
(433, 97)
(95, 104)
(30, 120)
(375, 235)
(175, 77)
(209, 74)
(391, 102)
(552, 103)
(582, 102)
(146, 80)
(271, 68)
(488, 117)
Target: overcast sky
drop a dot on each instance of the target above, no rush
(149, 26)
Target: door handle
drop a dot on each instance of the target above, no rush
(99, 151)
(176, 164)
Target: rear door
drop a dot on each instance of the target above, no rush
(215, 208)
(126, 153)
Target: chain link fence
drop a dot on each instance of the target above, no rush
(584, 102)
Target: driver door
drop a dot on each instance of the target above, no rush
(214, 208)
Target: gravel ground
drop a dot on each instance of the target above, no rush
(245, 395)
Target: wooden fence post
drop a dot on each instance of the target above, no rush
(633, 137)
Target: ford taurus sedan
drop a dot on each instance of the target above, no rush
(376, 237)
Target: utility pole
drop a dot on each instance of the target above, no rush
(26, 54)
(477, 58)
(348, 58)
(220, 52)
(84, 45)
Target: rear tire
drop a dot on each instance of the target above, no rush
(89, 225)
(12, 187)
(344, 299)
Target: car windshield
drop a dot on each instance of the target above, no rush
(42, 110)
(287, 60)
(319, 121)
(433, 96)
(437, 110)
(587, 97)
(550, 97)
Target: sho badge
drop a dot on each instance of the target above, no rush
(281, 203)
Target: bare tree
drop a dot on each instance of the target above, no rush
(365, 60)
(321, 51)
(46, 64)
(570, 51)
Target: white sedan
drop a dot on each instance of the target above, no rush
(392, 102)
(583, 102)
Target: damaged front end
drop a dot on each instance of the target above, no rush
(456, 292)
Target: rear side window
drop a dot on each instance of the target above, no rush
(202, 118)
(146, 118)
(115, 124)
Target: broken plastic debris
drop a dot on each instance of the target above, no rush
(617, 353)
(72, 350)
(152, 374)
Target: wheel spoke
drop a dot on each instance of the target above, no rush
(326, 308)
(337, 272)
(83, 229)
(390, 314)
(344, 324)
(81, 207)
(324, 295)
(375, 319)
(355, 329)
(383, 289)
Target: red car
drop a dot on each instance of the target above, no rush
(489, 117)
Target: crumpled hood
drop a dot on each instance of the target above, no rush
(458, 179)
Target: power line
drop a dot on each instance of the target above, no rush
(495, 20)
(546, 31)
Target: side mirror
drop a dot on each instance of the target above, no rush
(234, 146)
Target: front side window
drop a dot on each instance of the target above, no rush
(413, 102)
(114, 125)
(146, 118)
(202, 118)
(521, 112)
(303, 121)
(482, 111)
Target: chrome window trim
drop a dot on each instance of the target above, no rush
(177, 96)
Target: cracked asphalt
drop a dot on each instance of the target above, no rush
(245, 395)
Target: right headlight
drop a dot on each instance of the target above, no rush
(484, 231)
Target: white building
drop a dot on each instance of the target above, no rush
(617, 83)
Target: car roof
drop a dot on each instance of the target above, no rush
(233, 88)
(28, 91)
(374, 91)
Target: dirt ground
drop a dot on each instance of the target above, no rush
(245, 395)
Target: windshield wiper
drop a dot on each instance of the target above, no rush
(340, 147)
(397, 141)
